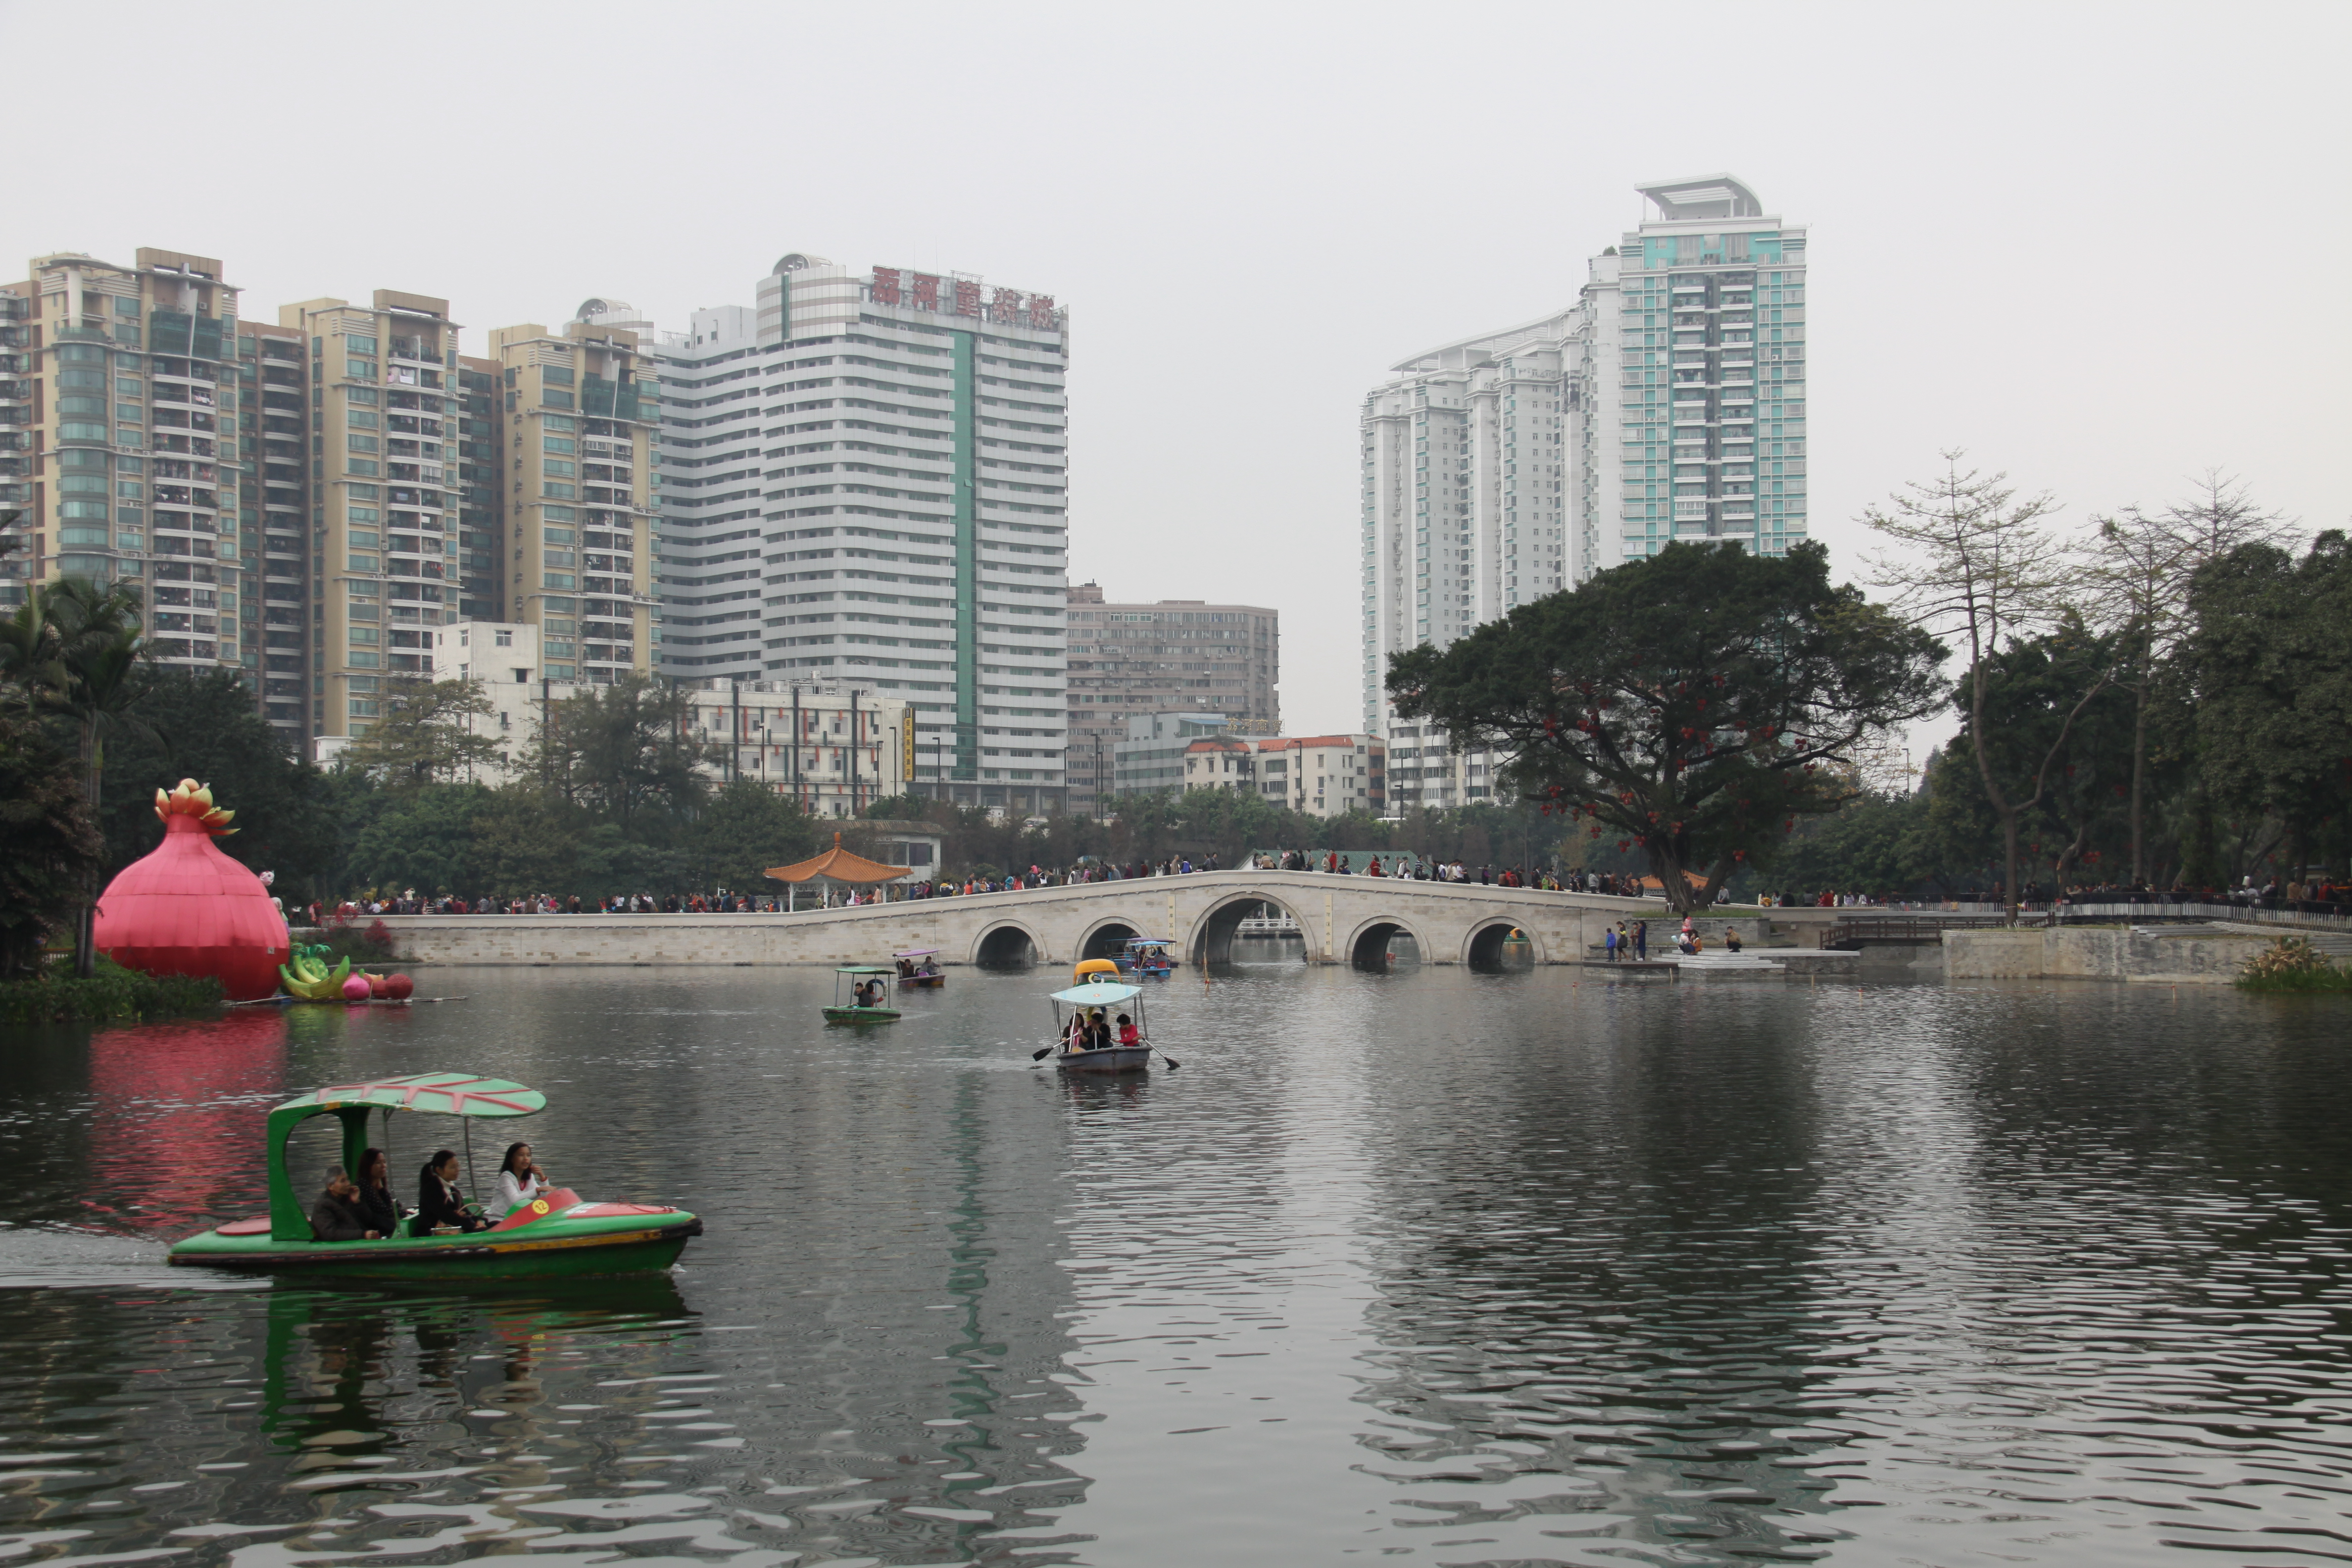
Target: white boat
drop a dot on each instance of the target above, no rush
(1099, 992)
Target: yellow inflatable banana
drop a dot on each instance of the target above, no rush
(311, 981)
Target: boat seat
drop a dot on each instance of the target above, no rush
(259, 1227)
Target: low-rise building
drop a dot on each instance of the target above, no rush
(1321, 775)
(834, 747)
(1151, 757)
(1324, 775)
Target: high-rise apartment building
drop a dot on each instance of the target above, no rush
(1667, 402)
(1691, 403)
(1166, 656)
(274, 522)
(119, 446)
(384, 527)
(573, 413)
(863, 479)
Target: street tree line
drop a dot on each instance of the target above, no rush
(2163, 699)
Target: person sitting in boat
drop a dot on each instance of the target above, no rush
(375, 1199)
(1128, 1035)
(439, 1204)
(519, 1180)
(337, 1214)
(1097, 1031)
(906, 969)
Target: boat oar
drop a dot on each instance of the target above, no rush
(1171, 1061)
(1040, 1055)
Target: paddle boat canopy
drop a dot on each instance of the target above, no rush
(916, 968)
(557, 1234)
(847, 982)
(1097, 992)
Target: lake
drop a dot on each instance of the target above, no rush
(1455, 1267)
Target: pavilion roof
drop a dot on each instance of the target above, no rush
(839, 865)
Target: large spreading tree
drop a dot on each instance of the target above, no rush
(1693, 704)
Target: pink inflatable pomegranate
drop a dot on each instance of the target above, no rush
(187, 909)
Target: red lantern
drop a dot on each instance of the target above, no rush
(187, 909)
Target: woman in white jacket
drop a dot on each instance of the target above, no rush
(519, 1180)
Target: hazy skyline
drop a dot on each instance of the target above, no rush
(2101, 247)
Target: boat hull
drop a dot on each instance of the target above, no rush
(861, 1015)
(551, 1248)
(923, 982)
(1118, 1059)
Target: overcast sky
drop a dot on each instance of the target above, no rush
(2103, 247)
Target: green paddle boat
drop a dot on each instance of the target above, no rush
(858, 976)
(556, 1235)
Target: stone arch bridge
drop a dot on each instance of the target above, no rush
(1341, 918)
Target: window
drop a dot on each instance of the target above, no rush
(554, 399)
(366, 635)
(503, 639)
(556, 376)
(560, 536)
(359, 345)
(362, 443)
(558, 443)
(362, 539)
(361, 395)
(360, 514)
(363, 563)
(360, 369)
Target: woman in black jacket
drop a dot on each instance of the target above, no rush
(375, 1198)
(438, 1200)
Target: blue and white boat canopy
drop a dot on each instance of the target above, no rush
(1097, 994)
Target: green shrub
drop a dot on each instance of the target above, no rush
(2292, 963)
(113, 992)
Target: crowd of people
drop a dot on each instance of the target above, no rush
(2293, 893)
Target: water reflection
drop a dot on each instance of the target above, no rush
(1466, 1268)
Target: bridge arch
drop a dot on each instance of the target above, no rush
(1104, 938)
(1482, 942)
(1366, 946)
(1006, 941)
(1211, 940)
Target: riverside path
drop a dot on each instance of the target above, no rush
(1340, 919)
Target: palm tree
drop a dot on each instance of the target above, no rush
(97, 632)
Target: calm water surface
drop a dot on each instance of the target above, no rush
(1458, 1267)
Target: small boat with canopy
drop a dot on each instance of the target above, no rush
(859, 990)
(917, 969)
(1087, 1036)
(556, 1235)
(1147, 956)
